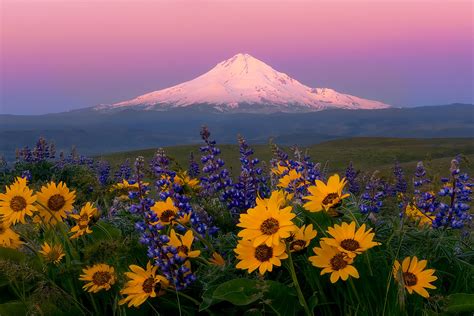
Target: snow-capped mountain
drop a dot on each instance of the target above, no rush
(246, 84)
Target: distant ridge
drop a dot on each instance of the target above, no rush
(245, 84)
(100, 132)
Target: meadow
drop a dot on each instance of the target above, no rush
(363, 226)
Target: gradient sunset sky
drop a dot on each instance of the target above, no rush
(61, 55)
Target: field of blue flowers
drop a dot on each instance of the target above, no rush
(284, 237)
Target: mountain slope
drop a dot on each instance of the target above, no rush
(100, 132)
(246, 84)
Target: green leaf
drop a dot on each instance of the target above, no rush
(13, 308)
(253, 312)
(313, 301)
(12, 254)
(239, 292)
(208, 299)
(460, 303)
(282, 299)
(101, 231)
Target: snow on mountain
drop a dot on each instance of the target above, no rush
(244, 83)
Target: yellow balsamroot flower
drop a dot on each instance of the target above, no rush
(416, 215)
(267, 222)
(280, 197)
(333, 261)
(55, 201)
(261, 257)
(17, 202)
(82, 219)
(142, 284)
(184, 180)
(165, 211)
(325, 196)
(52, 254)
(184, 219)
(217, 260)
(346, 239)
(183, 244)
(301, 238)
(280, 170)
(8, 237)
(98, 277)
(122, 188)
(292, 180)
(413, 275)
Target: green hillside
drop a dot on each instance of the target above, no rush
(366, 153)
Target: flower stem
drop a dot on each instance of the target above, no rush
(295, 282)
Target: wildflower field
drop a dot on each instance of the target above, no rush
(281, 236)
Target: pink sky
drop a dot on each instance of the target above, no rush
(58, 55)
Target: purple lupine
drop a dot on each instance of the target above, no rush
(352, 181)
(216, 178)
(458, 190)
(252, 183)
(193, 170)
(373, 196)
(401, 184)
(124, 171)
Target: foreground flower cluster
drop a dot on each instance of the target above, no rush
(160, 239)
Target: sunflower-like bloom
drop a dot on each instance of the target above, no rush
(217, 260)
(122, 188)
(261, 257)
(350, 241)
(184, 219)
(184, 180)
(142, 284)
(267, 222)
(98, 277)
(183, 244)
(301, 238)
(165, 211)
(82, 220)
(325, 196)
(413, 275)
(55, 201)
(52, 254)
(17, 202)
(416, 215)
(333, 261)
(292, 180)
(280, 170)
(280, 197)
(8, 237)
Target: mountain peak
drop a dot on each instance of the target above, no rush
(244, 83)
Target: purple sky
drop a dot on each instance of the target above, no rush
(62, 55)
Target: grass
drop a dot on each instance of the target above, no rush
(366, 153)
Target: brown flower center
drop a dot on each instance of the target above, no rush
(84, 218)
(53, 255)
(337, 262)
(83, 225)
(350, 244)
(263, 253)
(297, 245)
(184, 249)
(269, 226)
(101, 278)
(166, 216)
(409, 278)
(56, 202)
(148, 285)
(330, 198)
(18, 203)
